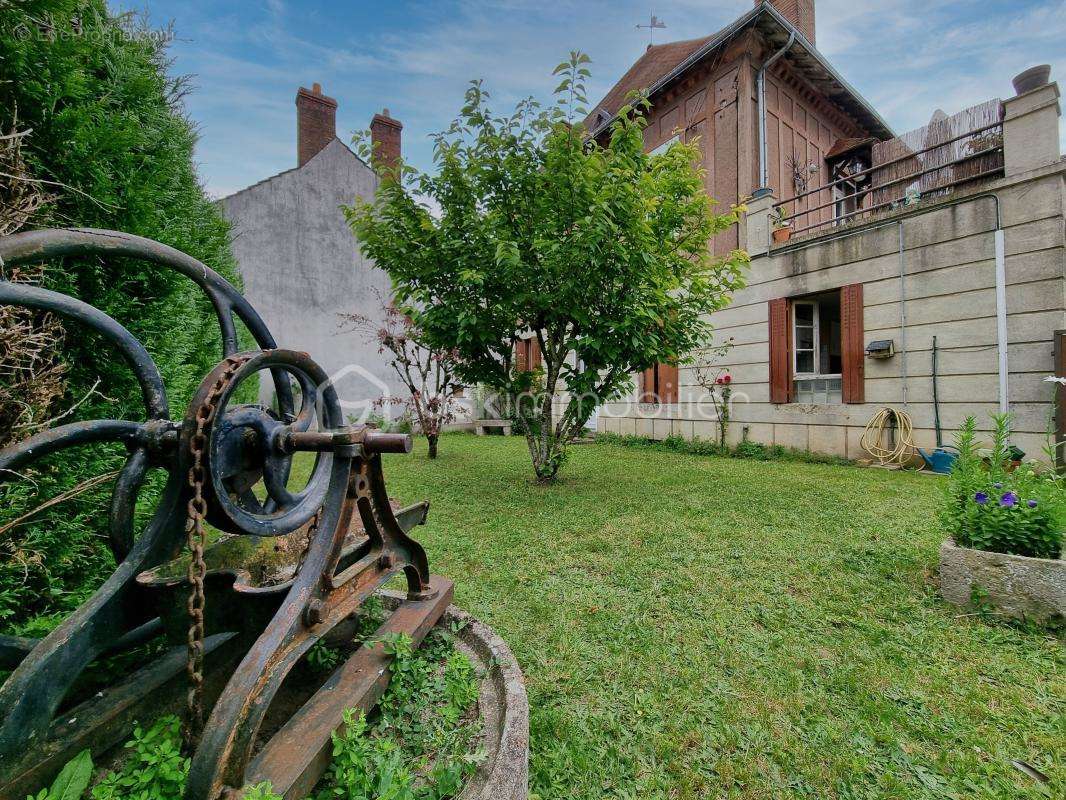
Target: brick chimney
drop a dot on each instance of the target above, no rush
(385, 138)
(316, 122)
(799, 12)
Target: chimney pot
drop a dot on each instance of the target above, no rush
(385, 138)
(316, 122)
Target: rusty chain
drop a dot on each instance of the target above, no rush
(196, 538)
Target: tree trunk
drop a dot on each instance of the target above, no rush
(432, 439)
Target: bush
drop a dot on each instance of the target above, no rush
(107, 131)
(990, 504)
(705, 447)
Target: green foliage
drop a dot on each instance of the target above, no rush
(991, 504)
(72, 780)
(108, 131)
(260, 791)
(417, 745)
(598, 249)
(155, 768)
(754, 451)
(322, 657)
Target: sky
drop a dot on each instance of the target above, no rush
(247, 58)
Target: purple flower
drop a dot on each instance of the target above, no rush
(1008, 500)
(1031, 504)
(980, 498)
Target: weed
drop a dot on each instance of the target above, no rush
(156, 769)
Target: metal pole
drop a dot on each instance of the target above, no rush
(903, 313)
(1001, 320)
(760, 81)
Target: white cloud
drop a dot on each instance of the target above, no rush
(908, 57)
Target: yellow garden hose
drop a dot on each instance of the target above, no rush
(888, 437)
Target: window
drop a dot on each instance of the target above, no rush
(816, 351)
(658, 384)
(816, 348)
(527, 354)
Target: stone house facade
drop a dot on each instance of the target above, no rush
(300, 262)
(840, 320)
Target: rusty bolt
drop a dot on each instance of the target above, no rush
(385, 561)
(315, 613)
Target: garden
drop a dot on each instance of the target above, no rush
(694, 626)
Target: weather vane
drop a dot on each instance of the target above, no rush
(653, 23)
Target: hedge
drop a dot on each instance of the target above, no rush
(108, 133)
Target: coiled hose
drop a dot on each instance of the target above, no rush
(888, 437)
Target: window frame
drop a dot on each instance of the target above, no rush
(811, 378)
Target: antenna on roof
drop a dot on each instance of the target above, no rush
(653, 23)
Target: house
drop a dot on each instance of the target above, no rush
(300, 262)
(926, 272)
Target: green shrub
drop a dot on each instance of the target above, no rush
(107, 129)
(991, 505)
(705, 447)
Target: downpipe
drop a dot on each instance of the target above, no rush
(760, 84)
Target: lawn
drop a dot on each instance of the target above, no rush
(695, 627)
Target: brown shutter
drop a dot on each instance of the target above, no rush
(534, 354)
(521, 349)
(780, 351)
(668, 383)
(853, 383)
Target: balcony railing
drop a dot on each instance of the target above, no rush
(903, 174)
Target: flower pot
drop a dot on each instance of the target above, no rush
(1032, 78)
(781, 235)
(1014, 586)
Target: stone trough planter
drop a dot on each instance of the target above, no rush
(502, 704)
(1015, 586)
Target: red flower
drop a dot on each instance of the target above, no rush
(727, 378)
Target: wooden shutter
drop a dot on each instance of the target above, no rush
(521, 350)
(780, 351)
(853, 383)
(534, 354)
(667, 383)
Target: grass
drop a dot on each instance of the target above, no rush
(697, 627)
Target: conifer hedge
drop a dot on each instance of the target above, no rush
(108, 134)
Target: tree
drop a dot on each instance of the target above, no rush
(428, 373)
(103, 133)
(598, 251)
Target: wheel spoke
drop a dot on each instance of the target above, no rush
(16, 456)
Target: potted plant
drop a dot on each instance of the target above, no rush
(782, 228)
(1006, 530)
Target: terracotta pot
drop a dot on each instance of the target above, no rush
(781, 235)
(1032, 78)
